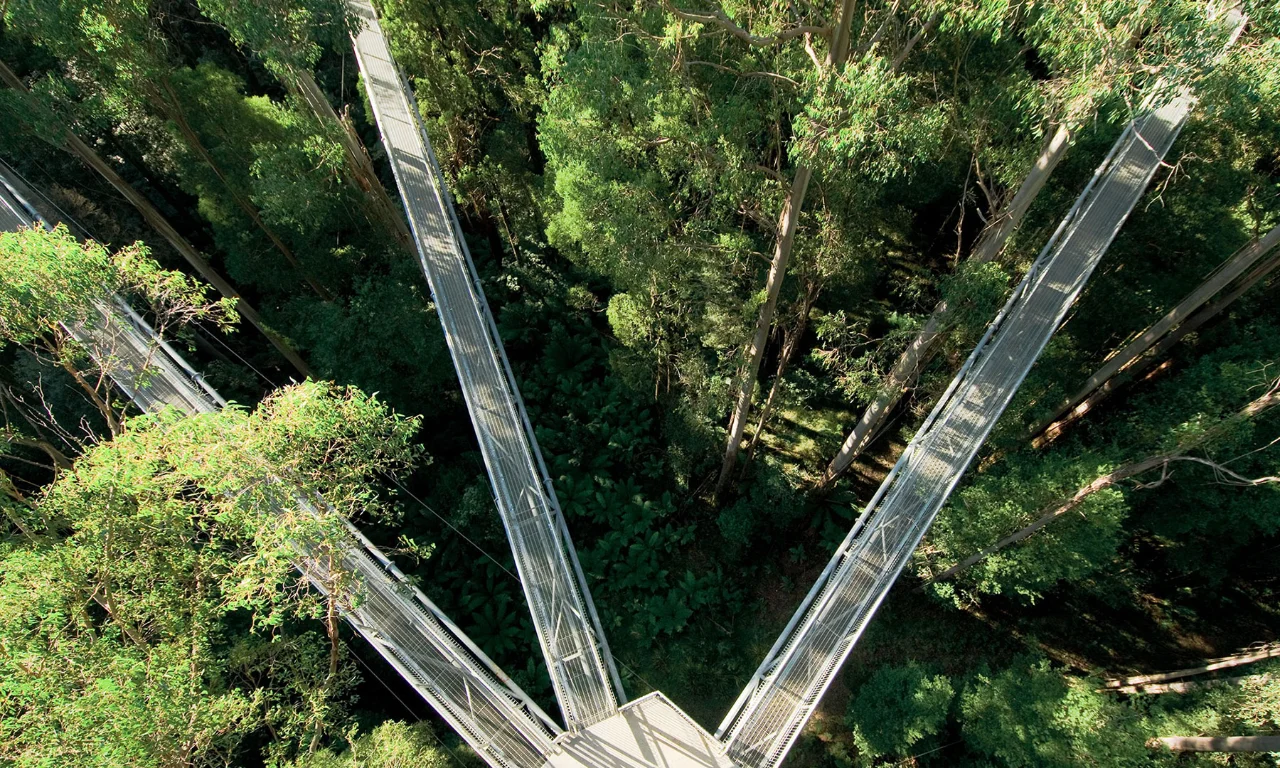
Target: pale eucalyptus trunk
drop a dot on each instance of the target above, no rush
(906, 370)
(764, 321)
(1080, 403)
(1216, 743)
(788, 222)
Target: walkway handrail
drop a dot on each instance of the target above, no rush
(582, 670)
(484, 705)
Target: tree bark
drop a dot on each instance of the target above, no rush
(913, 359)
(1100, 383)
(73, 144)
(361, 174)
(1060, 508)
(787, 224)
(790, 342)
(1122, 685)
(1185, 686)
(1216, 743)
(764, 321)
(99, 402)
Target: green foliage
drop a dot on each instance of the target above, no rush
(52, 278)
(158, 566)
(390, 745)
(287, 34)
(866, 120)
(1004, 500)
(1244, 707)
(474, 68)
(1030, 715)
(974, 294)
(898, 709)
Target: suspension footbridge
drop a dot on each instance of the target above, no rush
(468, 690)
(600, 728)
(783, 693)
(582, 670)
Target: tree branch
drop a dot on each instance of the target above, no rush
(733, 71)
(1059, 508)
(720, 19)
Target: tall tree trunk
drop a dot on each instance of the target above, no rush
(1123, 685)
(790, 342)
(787, 224)
(168, 103)
(73, 144)
(913, 359)
(1076, 406)
(380, 208)
(1158, 352)
(1185, 686)
(1060, 508)
(1216, 743)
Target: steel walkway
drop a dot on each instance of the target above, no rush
(785, 690)
(582, 671)
(464, 686)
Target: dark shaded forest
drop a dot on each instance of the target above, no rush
(736, 252)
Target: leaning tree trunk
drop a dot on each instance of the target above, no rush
(167, 102)
(360, 171)
(755, 351)
(1185, 686)
(790, 342)
(1060, 508)
(73, 144)
(1076, 406)
(913, 359)
(1216, 743)
(1142, 683)
(787, 224)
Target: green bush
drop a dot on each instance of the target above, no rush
(898, 708)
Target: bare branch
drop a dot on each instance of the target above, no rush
(906, 49)
(733, 71)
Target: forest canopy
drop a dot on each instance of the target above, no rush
(736, 253)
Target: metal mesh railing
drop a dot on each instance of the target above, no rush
(581, 669)
(464, 686)
(782, 695)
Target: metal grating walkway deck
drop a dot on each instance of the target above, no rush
(784, 692)
(582, 671)
(481, 703)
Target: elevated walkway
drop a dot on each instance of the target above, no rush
(582, 672)
(785, 690)
(464, 686)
